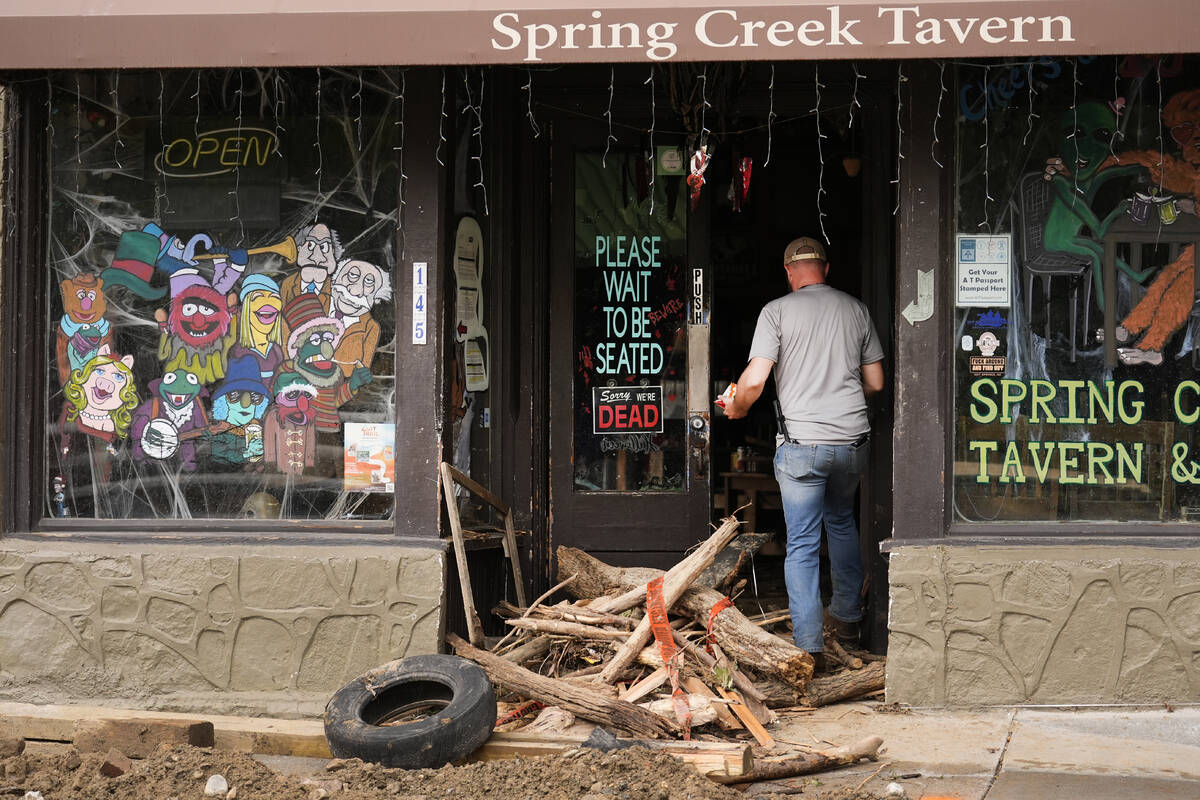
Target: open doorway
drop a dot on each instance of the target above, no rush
(828, 177)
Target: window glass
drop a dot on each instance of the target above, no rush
(221, 325)
(631, 293)
(1077, 340)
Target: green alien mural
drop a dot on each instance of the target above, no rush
(1075, 178)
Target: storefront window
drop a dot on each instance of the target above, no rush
(631, 287)
(1077, 341)
(221, 325)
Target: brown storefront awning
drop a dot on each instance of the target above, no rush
(97, 34)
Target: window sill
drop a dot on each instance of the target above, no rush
(233, 531)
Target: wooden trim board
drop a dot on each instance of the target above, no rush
(275, 737)
(306, 737)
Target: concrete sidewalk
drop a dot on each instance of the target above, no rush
(1010, 754)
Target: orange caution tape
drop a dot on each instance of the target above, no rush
(660, 626)
(519, 711)
(717, 608)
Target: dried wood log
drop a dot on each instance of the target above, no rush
(808, 763)
(703, 708)
(676, 581)
(587, 704)
(747, 643)
(567, 613)
(701, 557)
(825, 689)
(561, 628)
(834, 648)
(845, 685)
(531, 650)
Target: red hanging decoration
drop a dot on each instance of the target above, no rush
(739, 188)
(698, 166)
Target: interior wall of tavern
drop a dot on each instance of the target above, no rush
(217, 629)
(1001, 624)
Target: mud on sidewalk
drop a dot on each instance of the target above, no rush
(182, 772)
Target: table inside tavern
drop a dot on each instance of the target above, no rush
(756, 486)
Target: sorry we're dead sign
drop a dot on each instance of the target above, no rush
(627, 409)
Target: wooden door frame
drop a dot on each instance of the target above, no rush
(611, 533)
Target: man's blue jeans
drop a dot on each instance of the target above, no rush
(818, 482)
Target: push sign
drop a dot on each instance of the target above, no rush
(627, 409)
(697, 296)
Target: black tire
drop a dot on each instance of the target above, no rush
(455, 694)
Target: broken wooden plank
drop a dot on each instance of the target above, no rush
(726, 719)
(474, 624)
(722, 759)
(584, 703)
(646, 685)
(277, 737)
(753, 725)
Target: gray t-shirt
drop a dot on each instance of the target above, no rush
(819, 338)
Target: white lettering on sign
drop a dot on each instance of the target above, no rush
(724, 28)
(993, 30)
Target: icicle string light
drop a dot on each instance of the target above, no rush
(987, 150)
(1030, 116)
(477, 133)
(933, 147)
(608, 117)
(1158, 81)
(78, 130)
(399, 149)
(358, 119)
(320, 152)
(653, 154)
(528, 87)
(237, 170)
(115, 93)
(820, 151)
(161, 203)
(50, 110)
(1116, 131)
(196, 97)
(1075, 128)
(437, 154)
(770, 115)
(275, 109)
(900, 79)
(704, 106)
(854, 101)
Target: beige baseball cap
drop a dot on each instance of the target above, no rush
(803, 249)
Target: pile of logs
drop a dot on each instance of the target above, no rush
(654, 655)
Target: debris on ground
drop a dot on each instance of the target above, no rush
(654, 656)
(183, 771)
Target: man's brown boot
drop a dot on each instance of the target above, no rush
(847, 633)
(819, 663)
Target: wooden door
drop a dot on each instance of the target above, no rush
(629, 394)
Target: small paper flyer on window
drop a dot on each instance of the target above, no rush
(370, 457)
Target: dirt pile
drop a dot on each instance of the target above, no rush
(180, 773)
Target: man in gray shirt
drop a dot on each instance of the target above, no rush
(827, 358)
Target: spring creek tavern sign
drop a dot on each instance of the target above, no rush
(1072, 407)
(784, 32)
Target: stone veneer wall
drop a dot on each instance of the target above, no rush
(1004, 625)
(272, 629)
